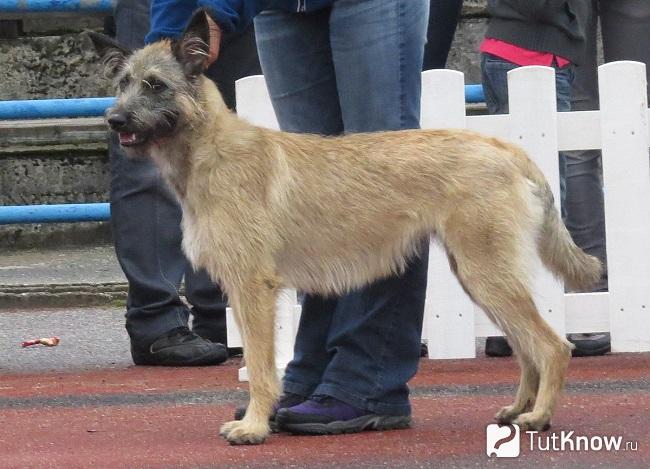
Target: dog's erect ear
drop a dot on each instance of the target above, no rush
(113, 54)
(193, 48)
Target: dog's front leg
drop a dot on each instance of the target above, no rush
(254, 307)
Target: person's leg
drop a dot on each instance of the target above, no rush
(147, 247)
(305, 98)
(626, 31)
(208, 306)
(237, 59)
(584, 205)
(378, 328)
(443, 18)
(140, 208)
(297, 63)
(494, 77)
(625, 28)
(373, 339)
(145, 219)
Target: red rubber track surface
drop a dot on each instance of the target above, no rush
(169, 418)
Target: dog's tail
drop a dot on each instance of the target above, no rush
(557, 250)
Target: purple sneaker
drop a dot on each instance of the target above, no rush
(325, 415)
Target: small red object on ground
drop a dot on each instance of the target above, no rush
(47, 341)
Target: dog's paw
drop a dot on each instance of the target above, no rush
(507, 414)
(240, 432)
(533, 421)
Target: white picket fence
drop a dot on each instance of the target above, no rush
(620, 129)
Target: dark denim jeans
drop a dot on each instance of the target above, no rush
(353, 68)
(625, 27)
(145, 216)
(494, 72)
(443, 19)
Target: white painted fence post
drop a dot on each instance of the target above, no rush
(624, 127)
(254, 102)
(448, 312)
(533, 125)
(254, 105)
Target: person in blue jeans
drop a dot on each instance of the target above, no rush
(336, 67)
(145, 220)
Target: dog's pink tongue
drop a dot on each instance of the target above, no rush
(127, 137)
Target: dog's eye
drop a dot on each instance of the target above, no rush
(123, 83)
(155, 85)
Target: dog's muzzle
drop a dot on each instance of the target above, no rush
(119, 122)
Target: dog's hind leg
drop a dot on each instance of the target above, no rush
(543, 355)
(526, 393)
(495, 278)
(254, 307)
(529, 380)
(550, 355)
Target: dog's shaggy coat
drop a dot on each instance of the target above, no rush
(264, 209)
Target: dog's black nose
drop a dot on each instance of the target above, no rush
(117, 120)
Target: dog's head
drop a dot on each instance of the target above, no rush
(158, 86)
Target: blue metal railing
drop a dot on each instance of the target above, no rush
(474, 94)
(53, 108)
(89, 107)
(55, 6)
(60, 213)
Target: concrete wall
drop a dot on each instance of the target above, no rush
(42, 64)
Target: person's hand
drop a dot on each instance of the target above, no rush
(215, 42)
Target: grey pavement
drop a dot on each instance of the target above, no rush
(41, 292)
(91, 338)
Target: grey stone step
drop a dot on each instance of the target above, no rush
(48, 278)
(22, 136)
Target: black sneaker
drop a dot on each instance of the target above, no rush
(590, 345)
(497, 347)
(586, 345)
(179, 347)
(286, 400)
(325, 415)
(217, 337)
(214, 330)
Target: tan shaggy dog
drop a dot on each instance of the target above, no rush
(263, 210)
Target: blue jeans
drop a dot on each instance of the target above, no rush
(494, 72)
(145, 215)
(354, 67)
(626, 35)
